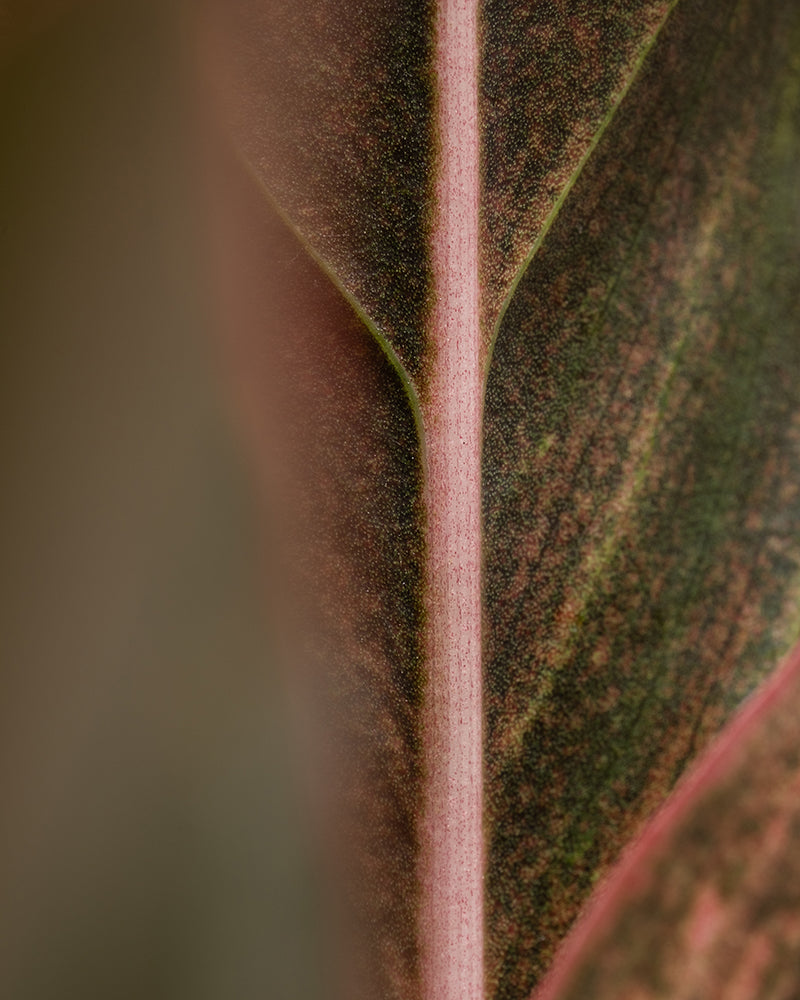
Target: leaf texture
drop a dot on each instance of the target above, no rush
(332, 108)
(552, 76)
(706, 902)
(641, 457)
(321, 398)
(641, 469)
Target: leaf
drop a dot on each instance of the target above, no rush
(637, 339)
(348, 440)
(641, 467)
(333, 111)
(706, 902)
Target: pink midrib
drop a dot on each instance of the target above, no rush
(452, 845)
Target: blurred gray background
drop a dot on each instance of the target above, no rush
(151, 834)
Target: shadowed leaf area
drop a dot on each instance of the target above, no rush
(332, 108)
(711, 907)
(326, 407)
(641, 467)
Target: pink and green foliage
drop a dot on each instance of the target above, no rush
(625, 395)
(706, 903)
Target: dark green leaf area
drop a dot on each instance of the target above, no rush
(550, 74)
(331, 412)
(642, 469)
(712, 910)
(333, 110)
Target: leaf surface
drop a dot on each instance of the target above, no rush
(332, 108)
(552, 78)
(640, 473)
(706, 902)
(346, 455)
(641, 468)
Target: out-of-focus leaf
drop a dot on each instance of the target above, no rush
(147, 846)
(707, 902)
(22, 20)
(641, 466)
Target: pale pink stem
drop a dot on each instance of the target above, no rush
(453, 854)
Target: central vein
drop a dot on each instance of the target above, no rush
(453, 854)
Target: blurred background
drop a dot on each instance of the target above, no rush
(151, 834)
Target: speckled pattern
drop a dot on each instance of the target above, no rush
(332, 108)
(713, 910)
(641, 468)
(551, 72)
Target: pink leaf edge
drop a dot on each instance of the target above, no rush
(630, 874)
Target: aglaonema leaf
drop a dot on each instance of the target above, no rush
(543, 260)
(640, 467)
(706, 902)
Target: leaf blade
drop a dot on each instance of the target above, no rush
(706, 901)
(620, 478)
(336, 448)
(551, 81)
(331, 105)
